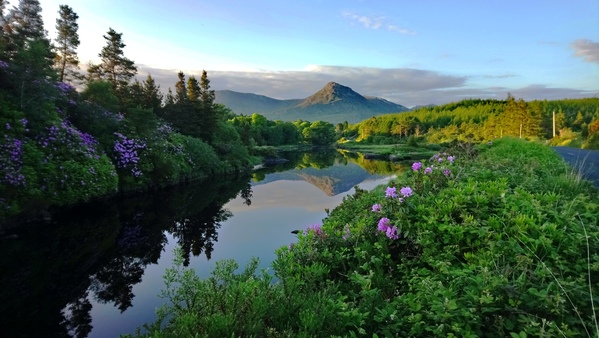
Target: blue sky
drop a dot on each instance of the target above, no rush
(409, 52)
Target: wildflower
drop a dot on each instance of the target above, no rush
(376, 207)
(417, 166)
(440, 159)
(7, 125)
(391, 232)
(400, 200)
(384, 223)
(316, 228)
(391, 192)
(428, 170)
(450, 159)
(406, 191)
(447, 172)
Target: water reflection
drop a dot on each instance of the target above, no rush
(50, 270)
(66, 274)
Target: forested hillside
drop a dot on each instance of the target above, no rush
(576, 120)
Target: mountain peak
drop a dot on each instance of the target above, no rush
(331, 93)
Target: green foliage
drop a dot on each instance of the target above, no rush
(496, 247)
(101, 93)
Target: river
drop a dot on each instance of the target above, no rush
(95, 270)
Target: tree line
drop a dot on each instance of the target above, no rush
(486, 119)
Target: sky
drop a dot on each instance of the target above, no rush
(408, 52)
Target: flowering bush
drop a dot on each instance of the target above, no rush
(59, 164)
(126, 153)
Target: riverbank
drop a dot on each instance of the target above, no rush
(468, 243)
(393, 152)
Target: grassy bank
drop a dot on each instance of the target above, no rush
(497, 240)
(397, 151)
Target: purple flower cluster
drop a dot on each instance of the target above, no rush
(11, 165)
(126, 153)
(442, 157)
(3, 64)
(376, 208)
(64, 87)
(391, 192)
(417, 166)
(316, 228)
(70, 138)
(389, 229)
(406, 191)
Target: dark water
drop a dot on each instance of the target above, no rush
(96, 270)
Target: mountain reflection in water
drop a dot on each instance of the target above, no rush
(96, 270)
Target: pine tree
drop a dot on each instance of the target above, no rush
(115, 67)
(208, 95)
(169, 99)
(209, 115)
(29, 56)
(193, 90)
(180, 89)
(67, 41)
(152, 97)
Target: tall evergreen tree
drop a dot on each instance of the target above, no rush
(193, 90)
(29, 55)
(67, 41)
(207, 95)
(152, 96)
(180, 89)
(209, 115)
(115, 67)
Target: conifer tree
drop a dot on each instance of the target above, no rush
(67, 41)
(180, 89)
(115, 67)
(28, 53)
(194, 91)
(152, 96)
(169, 99)
(208, 95)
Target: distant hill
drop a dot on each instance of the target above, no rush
(333, 103)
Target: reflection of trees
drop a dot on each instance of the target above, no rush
(380, 167)
(104, 247)
(77, 318)
(198, 232)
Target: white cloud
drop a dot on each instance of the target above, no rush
(376, 22)
(586, 49)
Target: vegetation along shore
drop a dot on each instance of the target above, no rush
(494, 240)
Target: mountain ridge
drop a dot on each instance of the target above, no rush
(333, 103)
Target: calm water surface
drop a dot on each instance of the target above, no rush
(96, 270)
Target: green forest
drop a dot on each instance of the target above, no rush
(572, 122)
(76, 132)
